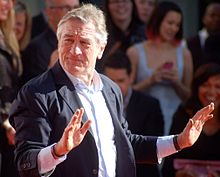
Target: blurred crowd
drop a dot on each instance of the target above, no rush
(164, 77)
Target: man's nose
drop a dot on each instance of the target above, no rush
(75, 49)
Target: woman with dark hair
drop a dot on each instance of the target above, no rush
(205, 89)
(123, 27)
(161, 66)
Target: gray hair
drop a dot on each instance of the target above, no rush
(87, 13)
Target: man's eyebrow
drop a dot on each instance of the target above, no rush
(68, 35)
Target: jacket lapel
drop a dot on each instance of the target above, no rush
(67, 91)
(110, 99)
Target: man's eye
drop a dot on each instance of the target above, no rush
(68, 40)
(85, 43)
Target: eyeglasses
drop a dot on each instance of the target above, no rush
(118, 1)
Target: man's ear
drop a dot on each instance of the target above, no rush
(102, 48)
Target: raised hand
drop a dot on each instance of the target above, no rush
(194, 127)
(73, 134)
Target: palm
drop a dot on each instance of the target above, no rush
(73, 133)
(194, 127)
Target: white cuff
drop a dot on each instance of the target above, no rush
(46, 161)
(165, 147)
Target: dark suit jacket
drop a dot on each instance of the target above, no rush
(39, 25)
(42, 110)
(36, 56)
(144, 117)
(196, 51)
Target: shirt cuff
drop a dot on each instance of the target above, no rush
(46, 162)
(165, 147)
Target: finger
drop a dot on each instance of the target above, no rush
(199, 123)
(209, 108)
(77, 117)
(85, 127)
(67, 131)
(189, 125)
(204, 112)
(208, 117)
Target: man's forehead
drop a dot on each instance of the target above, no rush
(79, 32)
(77, 27)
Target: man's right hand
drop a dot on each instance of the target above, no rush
(73, 134)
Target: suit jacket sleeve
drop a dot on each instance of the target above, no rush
(29, 116)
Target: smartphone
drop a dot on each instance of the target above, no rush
(168, 65)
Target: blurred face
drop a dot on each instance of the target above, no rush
(79, 48)
(57, 9)
(209, 91)
(120, 10)
(120, 77)
(170, 26)
(145, 9)
(5, 7)
(211, 19)
(20, 24)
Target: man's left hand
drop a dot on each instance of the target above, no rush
(194, 127)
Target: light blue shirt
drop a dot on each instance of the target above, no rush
(102, 126)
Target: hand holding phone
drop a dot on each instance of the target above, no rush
(168, 65)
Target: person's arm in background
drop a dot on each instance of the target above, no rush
(182, 87)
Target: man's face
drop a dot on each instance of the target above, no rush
(79, 48)
(57, 9)
(211, 19)
(120, 77)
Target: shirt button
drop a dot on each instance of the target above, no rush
(94, 172)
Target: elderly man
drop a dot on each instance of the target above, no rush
(71, 117)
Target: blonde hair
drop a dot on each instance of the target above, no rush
(10, 39)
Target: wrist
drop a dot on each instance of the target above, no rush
(176, 143)
(54, 152)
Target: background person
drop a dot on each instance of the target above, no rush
(124, 28)
(145, 9)
(23, 22)
(205, 89)
(10, 72)
(161, 66)
(141, 111)
(196, 44)
(36, 56)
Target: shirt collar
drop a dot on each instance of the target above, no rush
(96, 85)
(203, 35)
(127, 97)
